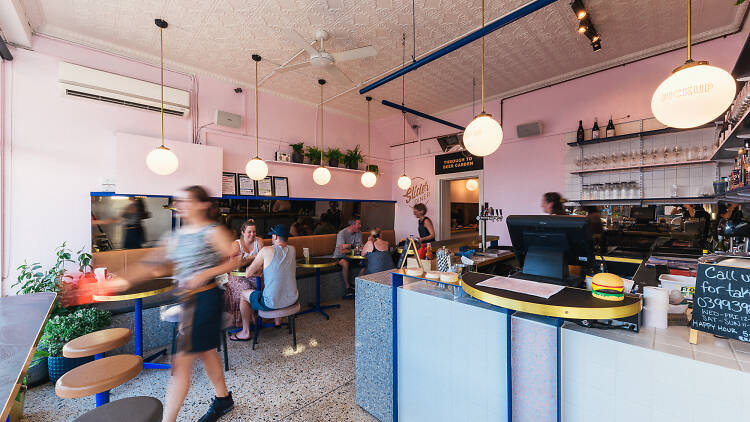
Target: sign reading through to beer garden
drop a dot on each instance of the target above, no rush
(457, 162)
(721, 304)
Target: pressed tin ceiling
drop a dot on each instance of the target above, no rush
(217, 37)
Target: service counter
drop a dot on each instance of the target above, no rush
(459, 358)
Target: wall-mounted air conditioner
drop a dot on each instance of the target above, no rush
(80, 81)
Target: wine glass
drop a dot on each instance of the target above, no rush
(666, 154)
(654, 155)
(705, 155)
(635, 158)
(677, 152)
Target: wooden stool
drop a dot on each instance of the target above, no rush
(131, 409)
(96, 344)
(289, 311)
(98, 376)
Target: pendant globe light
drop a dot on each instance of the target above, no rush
(483, 135)
(368, 178)
(404, 182)
(256, 168)
(696, 92)
(321, 175)
(161, 160)
(472, 184)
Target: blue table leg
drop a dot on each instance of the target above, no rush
(397, 280)
(103, 397)
(315, 307)
(147, 364)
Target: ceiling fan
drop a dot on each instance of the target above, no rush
(322, 59)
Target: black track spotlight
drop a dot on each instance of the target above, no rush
(578, 9)
(597, 45)
(583, 25)
(591, 34)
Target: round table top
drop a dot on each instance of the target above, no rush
(318, 262)
(350, 256)
(144, 289)
(570, 302)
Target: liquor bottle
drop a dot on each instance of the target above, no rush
(595, 129)
(610, 128)
(579, 134)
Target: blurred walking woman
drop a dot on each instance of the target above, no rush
(200, 250)
(424, 225)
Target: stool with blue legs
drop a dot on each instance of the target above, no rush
(104, 373)
(289, 311)
(172, 315)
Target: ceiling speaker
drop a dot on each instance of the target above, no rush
(529, 129)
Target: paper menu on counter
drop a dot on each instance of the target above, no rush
(527, 287)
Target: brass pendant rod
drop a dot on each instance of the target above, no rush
(403, 91)
(322, 130)
(161, 54)
(483, 58)
(369, 150)
(689, 42)
(256, 110)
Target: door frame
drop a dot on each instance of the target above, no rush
(443, 198)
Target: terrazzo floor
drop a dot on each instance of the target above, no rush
(271, 383)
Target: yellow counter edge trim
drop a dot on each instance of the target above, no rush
(554, 311)
(618, 259)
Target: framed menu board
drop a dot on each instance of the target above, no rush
(265, 186)
(721, 304)
(246, 185)
(280, 186)
(228, 183)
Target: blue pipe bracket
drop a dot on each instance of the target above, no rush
(423, 115)
(511, 17)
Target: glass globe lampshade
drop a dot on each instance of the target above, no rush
(404, 182)
(472, 184)
(162, 161)
(483, 135)
(256, 169)
(322, 175)
(368, 179)
(695, 94)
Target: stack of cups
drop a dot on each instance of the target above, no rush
(655, 305)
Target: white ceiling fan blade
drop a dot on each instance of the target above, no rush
(354, 54)
(296, 38)
(293, 66)
(338, 75)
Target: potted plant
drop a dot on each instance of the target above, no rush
(32, 278)
(334, 155)
(61, 329)
(373, 168)
(352, 158)
(298, 152)
(314, 155)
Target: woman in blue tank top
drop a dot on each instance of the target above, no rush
(378, 253)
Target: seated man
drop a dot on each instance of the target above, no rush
(279, 266)
(345, 240)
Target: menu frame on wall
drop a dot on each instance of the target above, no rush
(228, 183)
(281, 186)
(245, 185)
(265, 186)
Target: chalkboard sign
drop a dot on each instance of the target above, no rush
(721, 304)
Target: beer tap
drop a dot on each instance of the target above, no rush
(487, 213)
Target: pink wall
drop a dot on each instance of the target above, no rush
(523, 169)
(58, 148)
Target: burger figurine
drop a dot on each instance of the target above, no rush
(607, 286)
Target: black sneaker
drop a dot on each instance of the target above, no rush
(349, 293)
(220, 406)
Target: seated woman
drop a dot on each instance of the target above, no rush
(378, 253)
(246, 247)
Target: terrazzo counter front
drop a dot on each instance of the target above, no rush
(452, 364)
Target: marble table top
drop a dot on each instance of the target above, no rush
(22, 319)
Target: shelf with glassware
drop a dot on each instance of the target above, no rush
(635, 129)
(734, 126)
(674, 164)
(649, 201)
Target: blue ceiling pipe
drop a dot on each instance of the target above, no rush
(420, 114)
(479, 33)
